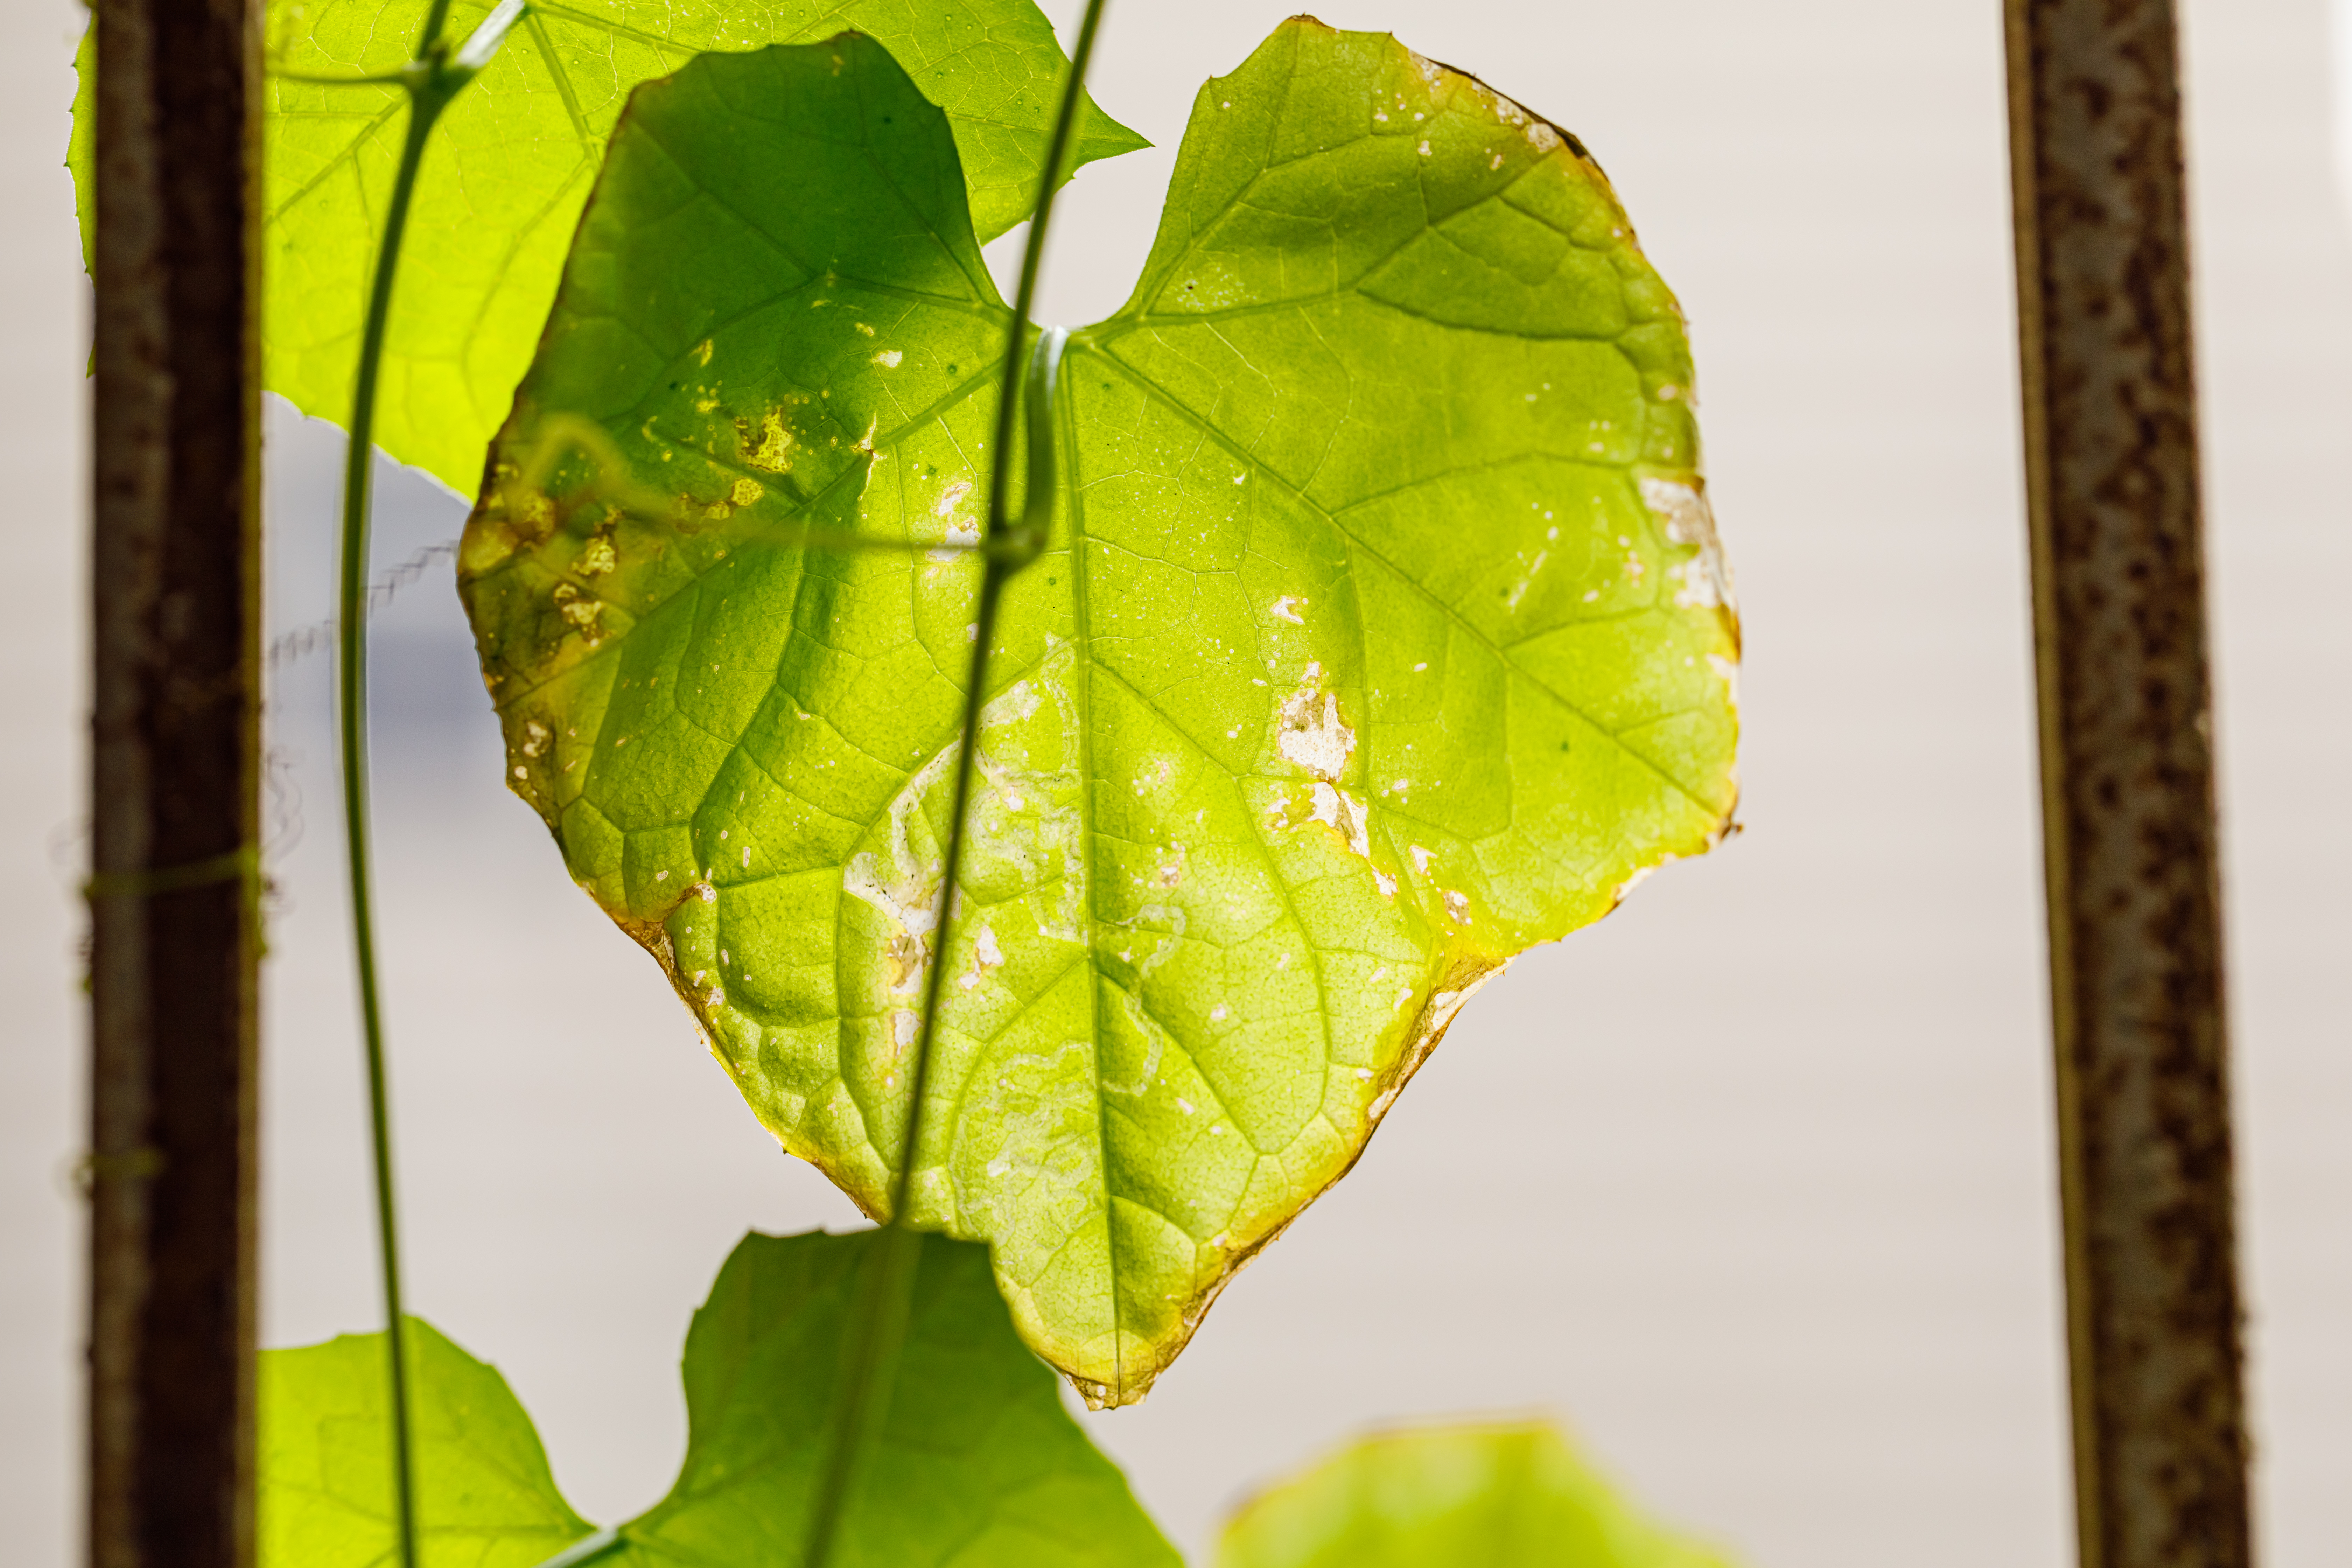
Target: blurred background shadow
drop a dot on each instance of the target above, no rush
(1752, 1181)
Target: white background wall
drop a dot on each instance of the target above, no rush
(1751, 1181)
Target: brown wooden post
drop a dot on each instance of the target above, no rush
(2129, 842)
(176, 616)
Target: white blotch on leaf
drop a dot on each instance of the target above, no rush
(1310, 733)
(1683, 513)
(1026, 801)
(904, 887)
(962, 537)
(1730, 672)
(1045, 1165)
(1344, 814)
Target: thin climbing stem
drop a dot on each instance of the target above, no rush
(1012, 547)
(887, 1292)
(430, 35)
(432, 82)
(351, 692)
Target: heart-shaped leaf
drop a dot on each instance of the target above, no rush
(1502, 1496)
(977, 1466)
(513, 159)
(1381, 635)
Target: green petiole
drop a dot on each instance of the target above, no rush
(888, 1292)
(433, 81)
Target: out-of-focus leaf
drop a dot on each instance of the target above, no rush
(1511, 1496)
(977, 1466)
(1381, 635)
(325, 1461)
(513, 159)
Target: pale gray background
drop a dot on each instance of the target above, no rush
(1751, 1183)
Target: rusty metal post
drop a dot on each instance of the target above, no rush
(174, 937)
(2131, 861)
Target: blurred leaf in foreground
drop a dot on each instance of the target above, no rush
(1380, 635)
(513, 159)
(1511, 1496)
(978, 1464)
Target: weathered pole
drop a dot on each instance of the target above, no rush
(2129, 844)
(174, 938)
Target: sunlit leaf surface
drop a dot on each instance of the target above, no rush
(1498, 1496)
(325, 1461)
(977, 1464)
(513, 159)
(1383, 634)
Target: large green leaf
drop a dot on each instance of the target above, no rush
(1382, 634)
(325, 1461)
(977, 1466)
(513, 159)
(1508, 1496)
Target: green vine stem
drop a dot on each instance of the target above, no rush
(432, 80)
(886, 1293)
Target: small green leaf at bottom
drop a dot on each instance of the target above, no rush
(1500, 1496)
(977, 1464)
(490, 1500)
